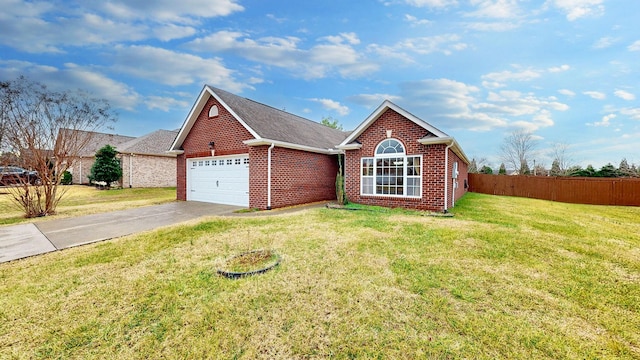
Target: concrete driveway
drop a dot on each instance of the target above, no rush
(19, 241)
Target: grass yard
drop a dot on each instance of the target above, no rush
(85, 200)
(505, 278)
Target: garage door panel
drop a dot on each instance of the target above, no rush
(223, 181)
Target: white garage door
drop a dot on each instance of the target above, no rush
(221, 180)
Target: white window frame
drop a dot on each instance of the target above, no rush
(369, 174)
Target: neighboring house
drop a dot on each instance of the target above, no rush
(233, 150)
(145, 160)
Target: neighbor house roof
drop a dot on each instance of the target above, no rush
(155, 143)
(434, 135)
(266, 124)
(99, 140)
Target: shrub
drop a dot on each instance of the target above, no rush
(67, 178)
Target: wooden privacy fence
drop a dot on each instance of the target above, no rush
(577, 190)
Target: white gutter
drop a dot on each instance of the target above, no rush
(287, 145)
(446, 173)
(269, 176)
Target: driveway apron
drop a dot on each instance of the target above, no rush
(20, 241)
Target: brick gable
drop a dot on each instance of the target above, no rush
(408, 133)
(224, 130)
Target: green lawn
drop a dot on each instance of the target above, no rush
(505, 278)
(84, 200)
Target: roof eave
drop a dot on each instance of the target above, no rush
(287, 145)
(352, 146)
(447, 141)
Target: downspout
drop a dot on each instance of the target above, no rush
(80, 179)
(130, 170)
(269, 176)
(446, 175)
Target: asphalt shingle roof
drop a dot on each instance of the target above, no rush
(155, 143)
(273, 124)
(98, 140)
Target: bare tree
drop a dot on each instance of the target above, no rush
(562, 155)
(45, 130)
(517, 149)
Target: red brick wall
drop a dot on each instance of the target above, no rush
(463, 175)
(227, 133)
(297, 177)
(433, 161)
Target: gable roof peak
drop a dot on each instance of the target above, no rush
(380, 110)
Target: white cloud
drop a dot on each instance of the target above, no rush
(560, 68)
(633, 113)
(372, 100)
(414, 21)
(73, 76)
(605, 122)
(164, 103)
(459, 105)
(172, 31)
(40, 28)
(39, 35)
(624, 95)
(506, 76)
(432, 3)
(567, 92)
(595, 95)
(332, 105)
(495, 9)
(576, 9)
(605, 42)
(183, 11)
(492, 26)
(173, 68)
(635, 46)
(334, 54)
(445, 44)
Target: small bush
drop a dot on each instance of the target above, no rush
(67, 178)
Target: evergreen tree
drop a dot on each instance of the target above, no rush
(590, 171)
(524, 168)
(608, 171)
(486, 170)
(503, 169)
(555, 168)
(106, 168)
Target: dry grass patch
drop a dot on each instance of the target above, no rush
(85, 200)
(489, 283)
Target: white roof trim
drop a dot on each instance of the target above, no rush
(379, 111)
(352, 146)
(195, 111)
(448, 141)
(282, 144)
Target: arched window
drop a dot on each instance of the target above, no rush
(390, 146)
(391, 172)
(213, 111)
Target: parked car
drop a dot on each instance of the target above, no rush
(16, 175)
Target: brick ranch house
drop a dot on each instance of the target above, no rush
(236, 151)
(145, 161)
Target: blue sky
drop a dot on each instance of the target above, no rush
(567, 70)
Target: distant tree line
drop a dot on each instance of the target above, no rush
(607, 171)
(518, 148)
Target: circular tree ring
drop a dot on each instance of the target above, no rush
(253, 263)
